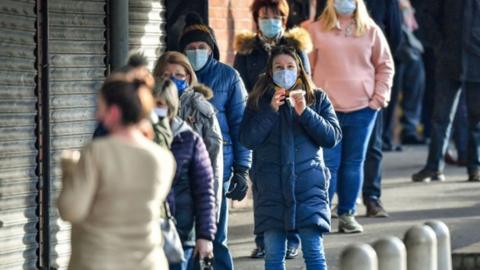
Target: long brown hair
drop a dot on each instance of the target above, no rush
(265, 81)
(328, 19)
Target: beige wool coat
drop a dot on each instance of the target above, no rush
(112, 196)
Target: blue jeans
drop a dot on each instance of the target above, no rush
(372, 182)
(222, 257)
(312, 247)
(345, 161)
(446, 101)
(188, 263)
(293, 240)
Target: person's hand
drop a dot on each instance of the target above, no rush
(204, 248)
(238, 184)
(278, 99)
(68, 161)
(298, 99)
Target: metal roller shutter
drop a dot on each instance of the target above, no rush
(77, 46)
(147, 28)
(18, 152)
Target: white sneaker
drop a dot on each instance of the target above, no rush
(348, 224)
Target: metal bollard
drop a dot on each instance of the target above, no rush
(444, 256)
(391, 254)
(421, 244)
(358, 257)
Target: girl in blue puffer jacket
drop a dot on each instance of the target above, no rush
(287, 130)
(192, 198)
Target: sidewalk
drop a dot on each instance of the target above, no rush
(455, 202)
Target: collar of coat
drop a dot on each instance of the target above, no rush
(299, 38)
(203, 90)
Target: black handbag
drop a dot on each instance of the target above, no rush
(172, 245)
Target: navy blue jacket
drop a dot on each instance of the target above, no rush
(193, 200)
(290, 192)
(229, 99)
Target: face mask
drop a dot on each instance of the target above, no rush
(285, 78)
(270, 28)
(181, 85)
(345, 7)
(198, 58)
(161, 111)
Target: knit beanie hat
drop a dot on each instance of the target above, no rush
(195, 30)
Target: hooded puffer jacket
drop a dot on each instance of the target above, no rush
(200, 115)
(289, 178)
(251, 58)
(229, 99)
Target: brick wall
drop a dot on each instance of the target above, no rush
(227, 18)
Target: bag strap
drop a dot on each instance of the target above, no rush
(168, 214)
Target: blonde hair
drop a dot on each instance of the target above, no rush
(328, 19)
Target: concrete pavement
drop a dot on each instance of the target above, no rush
(455, 202)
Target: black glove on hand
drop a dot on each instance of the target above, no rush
(238, 184)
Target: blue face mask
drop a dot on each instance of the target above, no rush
(181, 85)
(198, 58)
(285, 78)
(345, 7)
(270, 28)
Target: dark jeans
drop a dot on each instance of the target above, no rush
(410, 81)
(460, 130)
(446, 100)
(293, 240)
(222, 257)
(430, 84)
(346, 160)
(372, 182)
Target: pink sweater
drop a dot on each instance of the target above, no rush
(355, 72)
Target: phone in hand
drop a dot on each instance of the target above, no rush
(206, 263)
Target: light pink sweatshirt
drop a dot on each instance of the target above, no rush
(355, 72)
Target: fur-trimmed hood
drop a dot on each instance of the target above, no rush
(299, 38)
(204, 90)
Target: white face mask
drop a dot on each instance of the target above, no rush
(161, 111)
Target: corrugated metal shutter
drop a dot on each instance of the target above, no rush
(77, 46)
(18, 180)
(147, 28)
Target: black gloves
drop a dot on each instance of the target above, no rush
(238, 184)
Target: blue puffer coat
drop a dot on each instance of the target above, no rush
(290, 180)
(229, 98)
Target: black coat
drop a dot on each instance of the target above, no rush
(386, 14)
(453, 28)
